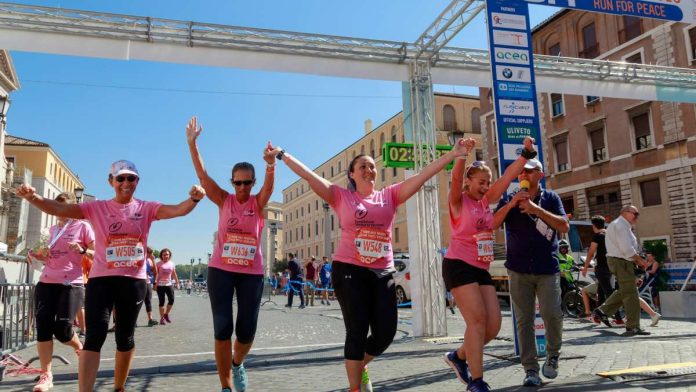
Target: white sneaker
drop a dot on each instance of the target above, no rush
(45, 382)
(655, 319)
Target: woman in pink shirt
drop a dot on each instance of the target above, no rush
(468, 258)
(363, 262)
(236, 266)
(117, 280)
(58, 295)
(166, 276)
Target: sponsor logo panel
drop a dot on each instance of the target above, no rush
(508, 21)
(510, 38)
(517, 107)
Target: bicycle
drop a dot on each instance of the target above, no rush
(571, 300)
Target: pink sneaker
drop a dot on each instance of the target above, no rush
(163, 321)
(45, 382)
(166, 317)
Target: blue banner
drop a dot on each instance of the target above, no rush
(675, 10)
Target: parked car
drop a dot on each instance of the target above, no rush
(402, 278)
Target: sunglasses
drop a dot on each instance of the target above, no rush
(124, 178)
(242, 182)
(474, 164)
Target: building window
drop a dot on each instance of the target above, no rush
(393, 172)
(557, 108)
(316, 205)
(568, 205)
(316, 228)
(650, 192)
(362, 150)
(382, 175)
(396, 234)
(332, 173)
(372, 148)
(599, 149)
(316, 252)
(591, 100)
(494, 133)
(381, 143)
(352, 154)
(449, 118)
(560, 147)
(393, 133)
(301, 232)
(692, 45)
(641, 130)
(301, 211)
(636, 58)
(589, 41)
(339, 166)
(479, 154)
(632, 28)
(554, 50)
(476, 120)
(309, 231)
(332, 222)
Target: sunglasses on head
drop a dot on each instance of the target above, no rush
(130, 178)
(474, 164)
(242, 182)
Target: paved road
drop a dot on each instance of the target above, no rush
(301, 350)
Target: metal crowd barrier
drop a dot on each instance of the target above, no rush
(16, 317)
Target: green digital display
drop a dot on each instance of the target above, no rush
(401, 154)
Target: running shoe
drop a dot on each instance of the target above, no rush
(226, 389)
(602, 317)
(478, 385)
(239, 377)
(655, 319)
(461, 369)
(618, 323)
(531, 379)
(152, 323)
(45, 382)
(550, 368)
(166, 317)
(301, 307)
(635, 331)
(365, 383)
(81, 334)
(163, 321)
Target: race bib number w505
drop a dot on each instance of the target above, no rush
(124, 252)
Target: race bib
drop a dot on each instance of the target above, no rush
(124, 251)
(239, 249)
(484, 244)
(372, 245)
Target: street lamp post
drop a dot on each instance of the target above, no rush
(191, 271)
(4, 107)
(327, 230)
(199, 266)
(272, 258)
(78, 193)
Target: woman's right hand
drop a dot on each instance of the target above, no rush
(193, 130)
(25, 191)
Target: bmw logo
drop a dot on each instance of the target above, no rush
(507, 73)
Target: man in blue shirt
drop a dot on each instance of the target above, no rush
(325, 276)
(296, 281)
(533, 218)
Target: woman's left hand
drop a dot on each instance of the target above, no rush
(75, 247)
(269, 154)
(464, 146)
(529, 143)
(197, 192)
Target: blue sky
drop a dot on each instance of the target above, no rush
(95, 111)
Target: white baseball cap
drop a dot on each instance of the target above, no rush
(534, 164)
(123, 167)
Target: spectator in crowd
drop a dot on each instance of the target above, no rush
(325, 276)
(295, 281)
(622, 255)
(310, 279)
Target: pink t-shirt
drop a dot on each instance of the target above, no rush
(366, 226)
(472, 234)
(164, 273)
(121, 236)
(64, 265)
(239, 230)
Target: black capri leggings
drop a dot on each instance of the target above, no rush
(124, 295)
(168, 291)
(56, 307)
(148, 298)
(222, 286)
(368, 303)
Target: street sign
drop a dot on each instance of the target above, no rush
(674, 10)
(401, 154)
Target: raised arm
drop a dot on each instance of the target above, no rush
(267, 187)
(51, 207)
(501, 185)
(216, 194)
(457, 178)
(319, 185)
(411, 185)
(196, 194)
